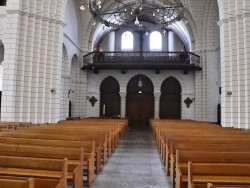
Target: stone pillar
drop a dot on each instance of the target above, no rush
(157, 105)
(123, 104)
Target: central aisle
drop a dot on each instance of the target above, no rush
(134, 164)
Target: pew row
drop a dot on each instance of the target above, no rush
(13, 183)
(88, 158)
(44, 168)
(33, 182)
(218, 173)
(75, 158)
(198, 146)
(210, 157)
(211, 185)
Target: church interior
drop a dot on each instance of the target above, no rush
(125, 93)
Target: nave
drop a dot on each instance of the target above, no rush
(135, 163)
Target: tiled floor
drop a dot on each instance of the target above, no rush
(134, 164)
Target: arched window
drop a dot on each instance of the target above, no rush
(127, 41)
(155, 41)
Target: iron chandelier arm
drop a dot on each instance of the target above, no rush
(124, 13)
(126, 5)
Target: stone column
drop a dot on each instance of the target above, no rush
(123, 104)
(157, 105)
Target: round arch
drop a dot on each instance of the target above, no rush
(64, 105)
(72, 92)
(1, 71)
(110, 100)
(170, 100)
(140, 101)
(1, 52)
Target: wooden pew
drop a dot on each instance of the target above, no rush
(88, 158)
(4, 126)
(74, 156)
(38, 182)
(187, 132)
(89, 146)
(199, 133)
(54, 134)
(199, 146)
(13, 183)
(101, 137)
(218, 173)
(209, 139)
(182, 158)
(34, 167)
(210, 185)
(115, 129)
(122, 123)
(112, 132)
(14, 125)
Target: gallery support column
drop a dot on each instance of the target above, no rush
(157, 105)
(123, 104)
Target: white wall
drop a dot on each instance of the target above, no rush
(3, 20)
(75, 80)
(174, 44)
(214, 84)
(108, 43)
(71, 21)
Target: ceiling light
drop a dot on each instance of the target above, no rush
(82, 7)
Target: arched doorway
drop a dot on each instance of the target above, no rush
(1, 72)
(73, 90)
(140, 101)
(170, 101)
(110, 103)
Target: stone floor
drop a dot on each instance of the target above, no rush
(134, 164)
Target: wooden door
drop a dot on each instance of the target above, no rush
(170, 101)
(140, 102)
(110, 98)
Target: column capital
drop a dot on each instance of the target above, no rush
(123, 94)
(157, 95)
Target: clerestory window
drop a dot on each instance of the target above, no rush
(155, 41)
(127, 41)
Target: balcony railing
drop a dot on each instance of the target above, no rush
(143, 60)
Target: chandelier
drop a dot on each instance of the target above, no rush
(133, 12)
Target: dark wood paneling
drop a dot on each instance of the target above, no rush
(110, 97)
(112, 104)
(170, 101)
(140, 108)
(170, 107)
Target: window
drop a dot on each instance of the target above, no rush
(155, 41)
(127, 41)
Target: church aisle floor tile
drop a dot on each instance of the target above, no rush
(134, 164)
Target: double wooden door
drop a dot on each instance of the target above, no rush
(140, 101)
(140, 108)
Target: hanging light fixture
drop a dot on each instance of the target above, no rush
(82, 7)
(140, 82)
(123, 13)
